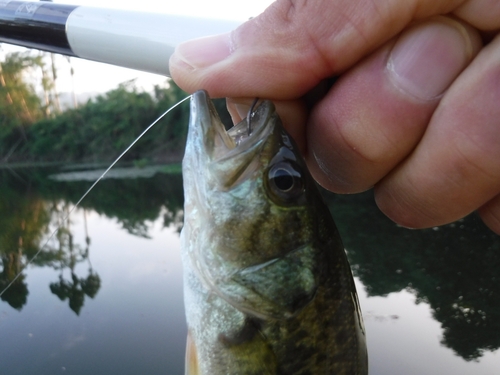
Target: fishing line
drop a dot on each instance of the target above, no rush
(249, 116)
(89, 190)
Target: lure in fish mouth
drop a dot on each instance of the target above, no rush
(268, 289)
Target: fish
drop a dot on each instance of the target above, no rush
(267, 285)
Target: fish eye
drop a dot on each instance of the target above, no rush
(285, 181)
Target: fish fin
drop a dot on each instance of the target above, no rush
(192, 367)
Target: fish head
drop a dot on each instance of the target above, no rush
(252, 212)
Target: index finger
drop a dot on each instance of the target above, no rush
(293, 45)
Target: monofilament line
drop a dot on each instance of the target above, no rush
(90, 189)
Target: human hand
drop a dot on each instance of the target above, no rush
(415, 113)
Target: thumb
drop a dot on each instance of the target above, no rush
(292, 46)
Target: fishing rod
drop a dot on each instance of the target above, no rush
(131, 39)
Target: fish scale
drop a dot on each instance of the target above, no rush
(268, 288)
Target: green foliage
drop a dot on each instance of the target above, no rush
(97, 131)
(104, 127)
(19, 104)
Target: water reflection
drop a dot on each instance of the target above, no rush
(451, 271)
(69, 255)
(33, 202)
(17, 293)
(114, 264)
(454, 268)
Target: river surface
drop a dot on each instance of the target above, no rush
(104, 296)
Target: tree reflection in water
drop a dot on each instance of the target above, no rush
(32, 205)
(68, 256)
(454, 268)
(17, 294)
(23, 220)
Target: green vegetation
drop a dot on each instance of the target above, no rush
(101, 129)
(98, 131)
(19, 105)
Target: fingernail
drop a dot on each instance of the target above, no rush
(203, 52)
(426, 60)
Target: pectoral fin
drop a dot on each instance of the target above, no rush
(192, 367)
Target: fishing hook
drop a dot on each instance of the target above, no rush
(249, 115)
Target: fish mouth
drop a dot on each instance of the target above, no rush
(231, 155)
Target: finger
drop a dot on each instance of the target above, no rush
(455, 169)
(376, 113)
(490, 214)
(482, 14)
(293, 45)
(293, 114)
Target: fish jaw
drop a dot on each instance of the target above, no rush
(225, 158)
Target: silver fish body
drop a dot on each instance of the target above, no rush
(267, 285)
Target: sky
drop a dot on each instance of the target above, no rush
(225, 9)
(97, 77)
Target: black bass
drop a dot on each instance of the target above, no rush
(267, 285)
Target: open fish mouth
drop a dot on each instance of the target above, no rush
(218, 142)
(231, 156)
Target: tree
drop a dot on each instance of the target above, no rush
(19, 104)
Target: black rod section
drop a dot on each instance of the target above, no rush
(40, 25)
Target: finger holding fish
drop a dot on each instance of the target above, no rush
(376, 114)
(363, 130)
(457, 159)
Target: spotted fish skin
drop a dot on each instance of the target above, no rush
(267, 285)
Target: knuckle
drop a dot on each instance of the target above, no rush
(408, 206)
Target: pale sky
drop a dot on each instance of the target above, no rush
(91, 76)
(225, 9)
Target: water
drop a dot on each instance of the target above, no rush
(106, 296)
